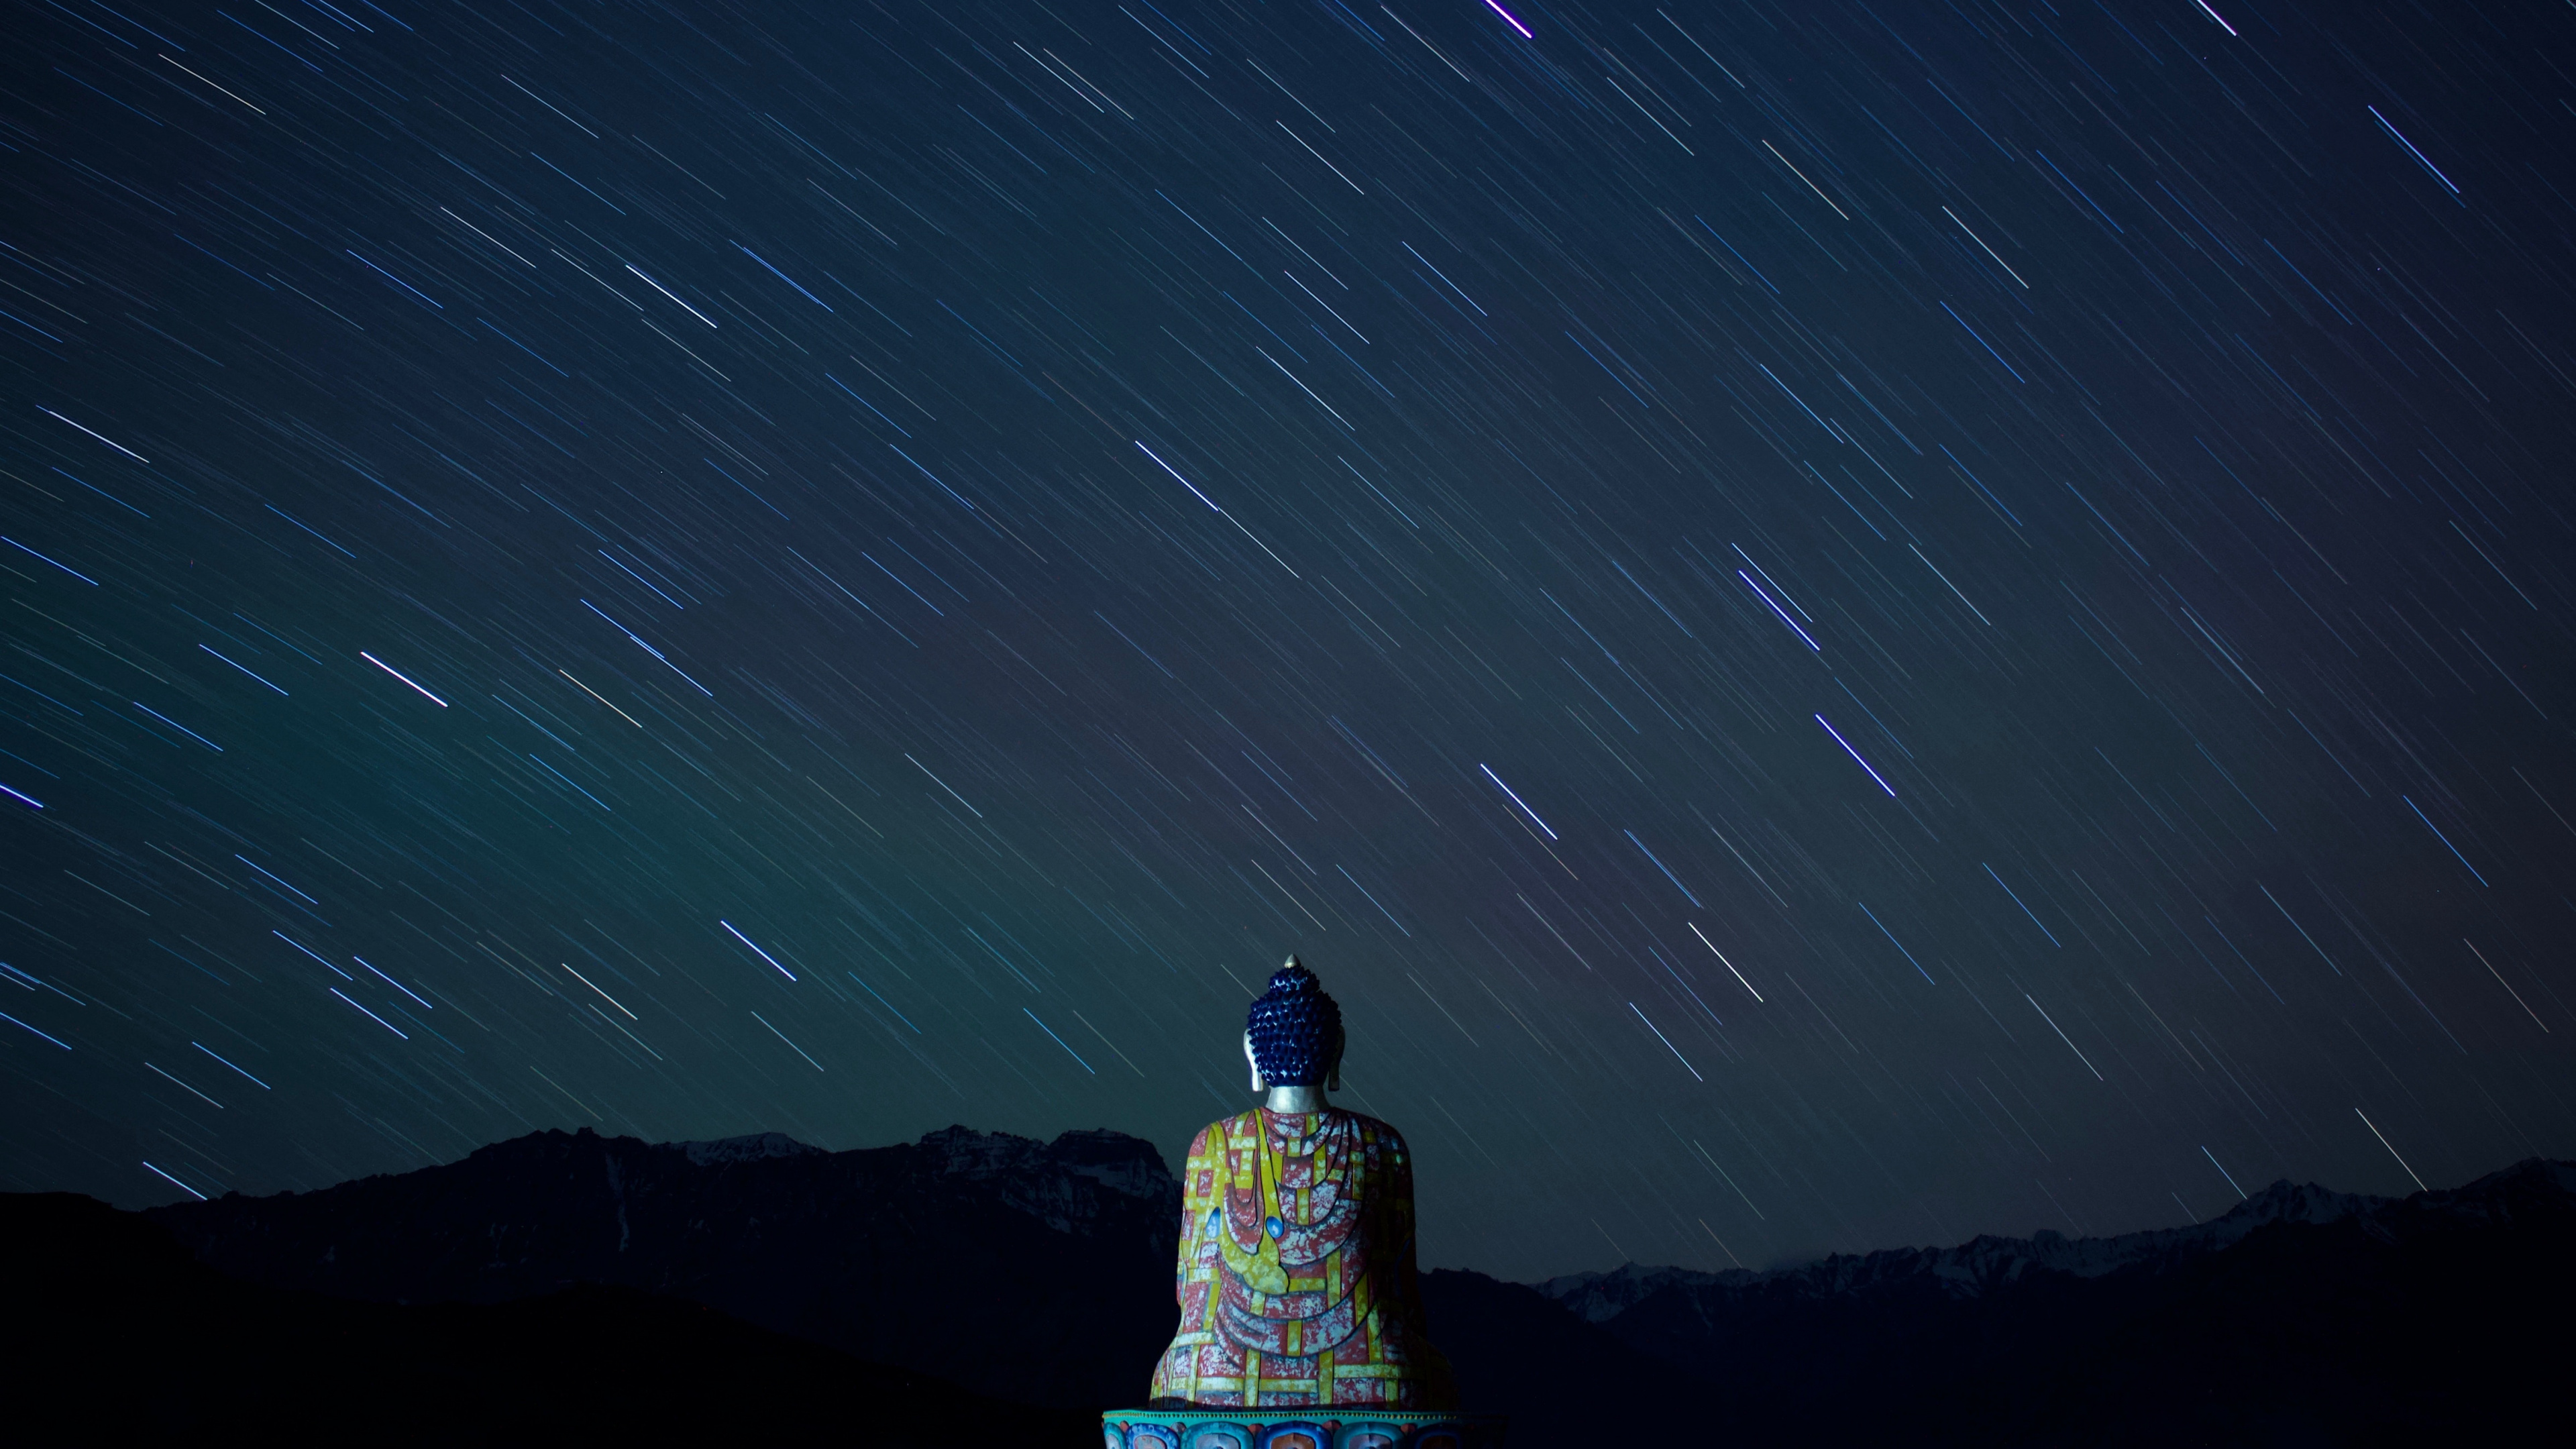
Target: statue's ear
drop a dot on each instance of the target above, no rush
(1333, 1073)
(1253, 1062)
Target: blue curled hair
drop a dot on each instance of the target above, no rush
(1296, 1029)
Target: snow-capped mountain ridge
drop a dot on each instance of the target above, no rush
(1971, 1268)
(751, 1148)
(895, 1254)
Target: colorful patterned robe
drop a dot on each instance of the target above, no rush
(1296, 1272)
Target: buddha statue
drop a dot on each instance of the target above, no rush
(1296, 1272)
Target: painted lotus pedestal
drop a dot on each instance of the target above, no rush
(1301, 1320)
(1155, 1429)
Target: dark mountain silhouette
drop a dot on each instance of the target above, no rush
(114, 1334)
(1035, 1272)
(1039, 1273)
(1973, 1267)
(2302, 1316)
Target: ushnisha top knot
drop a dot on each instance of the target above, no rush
(1296, 1029)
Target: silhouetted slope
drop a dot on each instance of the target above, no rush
(1042, 1272)
(1974, 1266)
(113, 1334)
(1563, 1381)
(1035, 1272)
(2312, 1318)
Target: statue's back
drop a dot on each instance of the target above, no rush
(1296, 1276)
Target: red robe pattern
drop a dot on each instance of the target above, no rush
(1296, 1272)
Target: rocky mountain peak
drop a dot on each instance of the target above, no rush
(752, 1148)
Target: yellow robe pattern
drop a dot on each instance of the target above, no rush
(1296, 1274)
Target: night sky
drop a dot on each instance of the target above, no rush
(1835, 625)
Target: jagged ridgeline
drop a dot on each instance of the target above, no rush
(1024, 1270)
(982, 1276)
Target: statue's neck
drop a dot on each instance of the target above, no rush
(1296, 1099)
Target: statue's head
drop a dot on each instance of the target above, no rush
(1293, 1032)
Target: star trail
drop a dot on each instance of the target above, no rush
(1835, 625)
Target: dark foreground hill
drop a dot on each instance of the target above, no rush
(1037, 1272)
(1027, 1273)
(113, 1334)
(2301, 1317)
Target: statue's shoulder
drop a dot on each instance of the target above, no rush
(1242, 1127)
(1375, 1133)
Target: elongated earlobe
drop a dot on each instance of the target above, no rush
(1333, 1075)
(1253, 1062)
